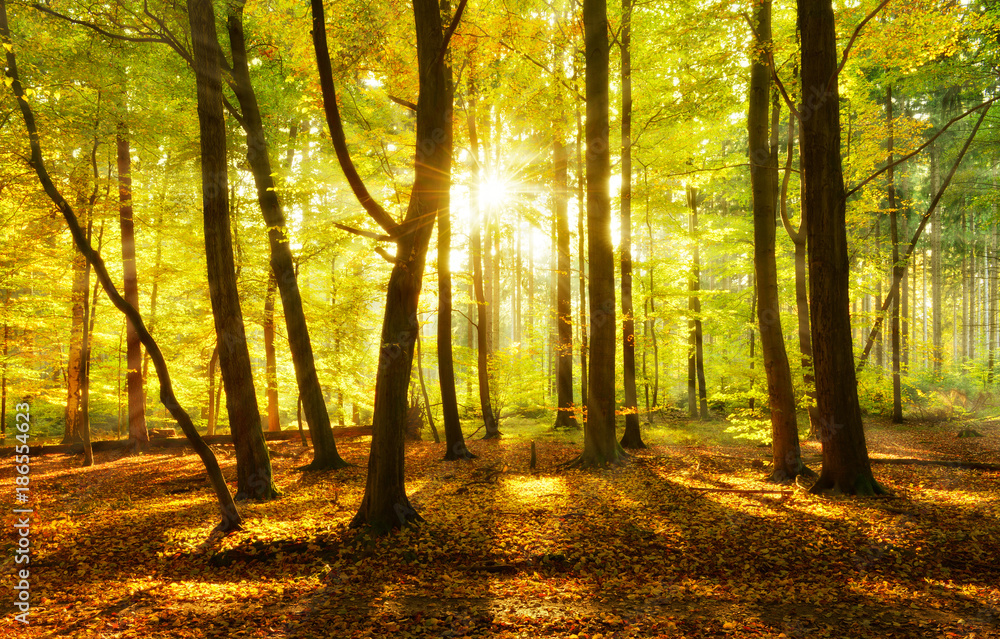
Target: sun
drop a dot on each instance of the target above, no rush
(493, 191)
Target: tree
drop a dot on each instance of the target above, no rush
(632, 438)
(325, 455)
(600, 446)
(696, 349)
(564, 305)
(846, 468)
(898, 269)
(231, 519)
(253, 464)
(385, 505)
(763, 151)
(136, 395)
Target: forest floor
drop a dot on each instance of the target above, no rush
(123, 549)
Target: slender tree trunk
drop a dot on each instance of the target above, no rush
(89, 320)
(454, 438)
(564, 306)
(936, 285)
(325, 455)
(230, 515)
(904, 309)
(695, 303)
(846, 468)
(763, 151)
(632, 438)
(991, 314)
(898, 269)
(213, 397)
(600, 445)
(3, 364)
(271, 374)
(581, 253)
(427, 400)
(253, 465)
(133, 357)
(74, 369)
(652, 297)
(482, 306)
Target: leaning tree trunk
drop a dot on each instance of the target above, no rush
(133, 350)
(632, 438)
(846, 468)
(786, 455)
(253, 464)
(564, 305)
(600, 446)
(325, 455)
(230, 515)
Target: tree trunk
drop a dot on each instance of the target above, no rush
(482, 307)
(694, 304)
(454, 439)
(582, 253)
(565, 417)
(600, 446)
(133, 353)
(385, 505)
(230, 515)
(786, 456)
(632, 438)
(898, 269)
(213, 402)
(325, 455)
(74, 369)
(253, 465)
(90, 320)
(271, 373)
(936, 292)
(846, 468)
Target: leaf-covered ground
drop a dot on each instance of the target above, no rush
(123, 549)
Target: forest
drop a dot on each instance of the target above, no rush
(452, 318)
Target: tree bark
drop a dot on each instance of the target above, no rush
(253, 465)
(130, 289)
(230, 515)
(271, 365)
(325, 455)
(74, 368)
(763, 152)
(600, 446)
(565, 417)
(632, 438)
(385, 505)
(694, 307)
(581, 253)
(937, 333)
(479, 289)
(846, 468)
(454, 439)
(898, 269)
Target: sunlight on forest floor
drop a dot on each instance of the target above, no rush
(123, 549)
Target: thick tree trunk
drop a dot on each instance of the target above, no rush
(385, 505)
(133, 378)
(230, 516)
(253, 465)
(846, 468)
(325, 455)
(763, 151)
(632, 438)
(565, 417)
(898, 269)
(482, 308)
(600, 445)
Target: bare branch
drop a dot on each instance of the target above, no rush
(404, 103)
(368, 234)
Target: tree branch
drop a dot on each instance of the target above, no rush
(850, 43)
(897, 277)
(404, 103)
(450, 31)
(374, 209)
(921, 147)
(368, 234)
